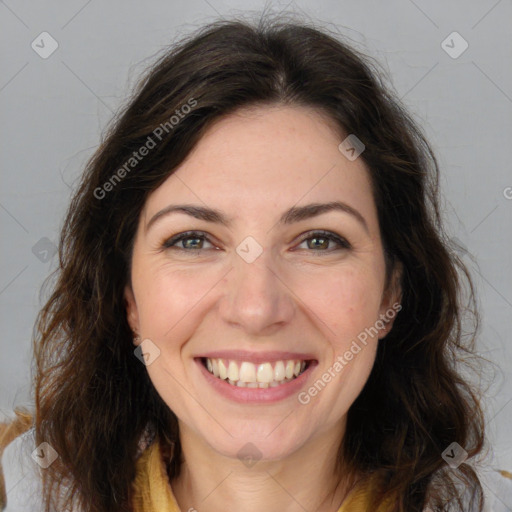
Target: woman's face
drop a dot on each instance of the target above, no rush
(257, 286)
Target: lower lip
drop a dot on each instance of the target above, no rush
(256, 395)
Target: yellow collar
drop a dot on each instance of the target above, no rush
(153, 493)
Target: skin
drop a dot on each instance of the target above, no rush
(253, 165)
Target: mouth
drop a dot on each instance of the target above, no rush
(245, 374)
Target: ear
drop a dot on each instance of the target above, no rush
(132, 313)
(391, 301)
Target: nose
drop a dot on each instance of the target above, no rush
(256, 297)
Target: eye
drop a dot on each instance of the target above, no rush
(194, 241)
(190, 241)
(322, 239)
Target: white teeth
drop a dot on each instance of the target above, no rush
(223, 373)
(215, 365)
(233, 371)
(289, 369)
(279, 373)
(247, 374)
(265, 373)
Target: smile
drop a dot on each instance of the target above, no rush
(250, 375)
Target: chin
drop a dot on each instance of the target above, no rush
(256, 442)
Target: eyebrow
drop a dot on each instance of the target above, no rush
(294, 214)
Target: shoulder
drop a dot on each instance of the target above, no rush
(22, 474)
(22, 464)
(497, 486)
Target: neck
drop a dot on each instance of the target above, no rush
(304, 480)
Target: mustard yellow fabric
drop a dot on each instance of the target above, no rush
(152, 492)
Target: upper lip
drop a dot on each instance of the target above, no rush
(257, 357)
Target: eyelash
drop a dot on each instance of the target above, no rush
(341, 242)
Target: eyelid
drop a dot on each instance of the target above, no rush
(342, 242)
(170, 243)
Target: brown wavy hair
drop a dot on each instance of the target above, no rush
(94, 399)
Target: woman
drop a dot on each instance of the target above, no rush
(256, 306)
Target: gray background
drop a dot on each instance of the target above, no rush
(54, 110)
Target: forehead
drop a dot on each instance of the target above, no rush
(268, 158)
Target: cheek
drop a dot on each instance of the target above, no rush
(346, 300)
(170, 299)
